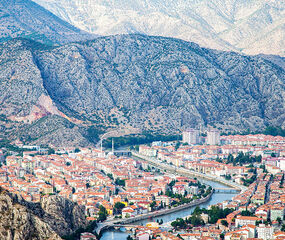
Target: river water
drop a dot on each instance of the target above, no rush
(216, 198)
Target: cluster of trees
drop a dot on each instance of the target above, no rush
(153, 205)
(143, 138)
(93, 134)
(110, 175)
(207, 192)
(249, 181)
(269, 130)
(120, 182)
(215, 213)
(193, 221)
(118, 207)
(160, 222)
(247, 213)
(242, 159)
(274, 131)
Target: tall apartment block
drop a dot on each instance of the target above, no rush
(213, 137)
(191, 136)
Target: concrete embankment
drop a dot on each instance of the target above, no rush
(187, 172)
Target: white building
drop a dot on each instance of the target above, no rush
(282, 164)
(245, 220)
(213, 137)
(191, 136)
(265, 232)
(147, 151)
(193, 190)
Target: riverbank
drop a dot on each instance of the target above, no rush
(186, 172)
(113, 234)
(110, 224)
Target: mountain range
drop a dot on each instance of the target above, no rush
(136, 82)
(24, 18)
(246, 26)
(60, 92)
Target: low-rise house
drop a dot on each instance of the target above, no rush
(87, 236)
(128, 212)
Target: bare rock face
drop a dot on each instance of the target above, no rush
(63, 215)
(168, 81)
(150, 83)
(52, 218)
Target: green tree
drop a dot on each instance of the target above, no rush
(246, 213)
(102, 214)
(178, 144)
(110, 175)
(196, 220)
(224, 222)
(152, 205)
(76, 150)
(179, 223)
(129, 237)
(51, 151)
(120, 182)
(118, 207)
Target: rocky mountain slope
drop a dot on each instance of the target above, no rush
(248, 26)
(136, 81)
(27, 19)
(50, 219)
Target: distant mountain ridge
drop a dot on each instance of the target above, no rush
(25, 18)
(247, 26)
(149, 83)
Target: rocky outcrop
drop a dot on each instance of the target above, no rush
(50, 219)
(150, 83)
(62, 215)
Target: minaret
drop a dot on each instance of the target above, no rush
(113, 145)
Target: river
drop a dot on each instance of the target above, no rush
(216, 198)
